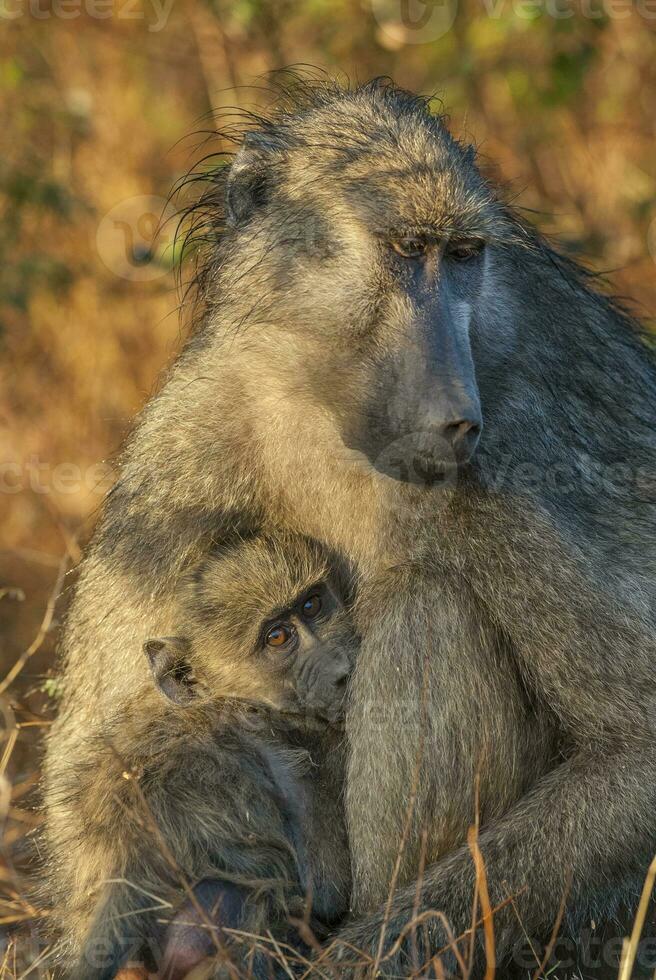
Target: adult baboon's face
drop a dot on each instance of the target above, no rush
(375, 231)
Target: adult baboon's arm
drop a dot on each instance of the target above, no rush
(439, 726)
(586, 825)
(436, 724)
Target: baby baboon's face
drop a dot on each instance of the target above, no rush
(307, 653)
(265, 623)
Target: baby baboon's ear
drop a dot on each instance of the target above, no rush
(169, 663)
(250, 177)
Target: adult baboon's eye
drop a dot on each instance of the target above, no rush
(463, 251)
(279, 635)
(410, 248)
(311, 606)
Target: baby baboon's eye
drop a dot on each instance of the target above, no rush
(279, 635)
(410, 248)
(311, 606)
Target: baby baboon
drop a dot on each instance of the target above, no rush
(393, 362)
(236, 776)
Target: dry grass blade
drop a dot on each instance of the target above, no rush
(362, 958)
(44, 628)
(484, 899)
(554, 935)
(307, 935)
(48, 954)
(414, 950)
(475, 899)
(10, 734)
(630, 946)
(452, 941)
(292, 955)
(281, 956)
(527, 938)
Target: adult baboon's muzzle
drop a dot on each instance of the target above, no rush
(448, 426)
(458, 434)
(434, 407)
(453, 394)
(430, 456)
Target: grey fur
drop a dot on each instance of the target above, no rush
(316, 352)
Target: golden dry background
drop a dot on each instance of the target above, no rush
(98, 99)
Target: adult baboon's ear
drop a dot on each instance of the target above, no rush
(169, 664)
(250, 177)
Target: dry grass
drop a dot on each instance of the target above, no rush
(94, 111)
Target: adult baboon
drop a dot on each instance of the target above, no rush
(235, 779)
(394, 363)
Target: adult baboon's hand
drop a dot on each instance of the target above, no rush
(396, 943)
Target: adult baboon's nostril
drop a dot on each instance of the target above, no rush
(463, 436)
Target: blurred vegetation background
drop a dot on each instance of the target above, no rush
(98, 99)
